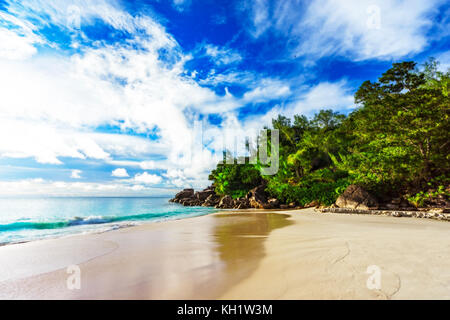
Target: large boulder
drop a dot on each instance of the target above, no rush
(312, 204)
(189, 202)
(241, 203)
(185, 193)
(211, 201)
(356, 197)
(257, 197)
(203, 195)
(273, 203)
(210, 188)
(226, 202)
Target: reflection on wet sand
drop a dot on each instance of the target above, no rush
(238, 256)
(195, 258)
(240, 238)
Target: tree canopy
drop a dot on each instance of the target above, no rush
(396, 142)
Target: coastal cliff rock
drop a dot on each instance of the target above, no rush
(211, 201)
(258, 198)
(274, 203)
(242, 203)
(183, 195)
(226, 202)
(356, 197)
(203, 195)
(255, 198)
(313, 204)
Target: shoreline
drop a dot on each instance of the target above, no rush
(252, 254)
(422, 213)
(107, 227)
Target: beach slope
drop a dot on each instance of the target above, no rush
(248, 255)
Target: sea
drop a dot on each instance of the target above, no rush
(26, 219)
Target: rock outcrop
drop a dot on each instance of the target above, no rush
(273, 203)
(256, 198)
(184, 194)
(356, 197)
(211, 201)
(354, 200)
(225, 203)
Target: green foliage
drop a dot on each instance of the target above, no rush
(402, 128)
(419, 198)
(235, 180)
(323, 186)
(395, 142)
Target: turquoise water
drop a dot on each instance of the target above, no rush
(24, 219)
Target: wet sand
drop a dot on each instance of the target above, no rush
(196, 258)
(248, 255)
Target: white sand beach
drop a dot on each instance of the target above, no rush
(296, 254)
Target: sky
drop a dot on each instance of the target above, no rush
(140, 98)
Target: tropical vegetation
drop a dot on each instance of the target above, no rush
(396, 143)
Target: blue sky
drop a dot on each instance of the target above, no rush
(107, 97)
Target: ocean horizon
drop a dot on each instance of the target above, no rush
(24, 218)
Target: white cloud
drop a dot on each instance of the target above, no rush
(61, 188)
(222, 55)
(325, 95)
(260, 17)
(17, 43)
(119, 173)
(348, 28)
(336, 96)
(67, 98)
(267, 90)
(132, 87)
(13, 46)
(181, 5)
(147, 178)
(47, 143)
(245, 78)
(75, 174)
(444, 61)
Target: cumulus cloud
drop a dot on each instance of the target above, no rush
(139, 87)
(444, 61)
(267, 90)
(14, 46)
(128, 85)
(17, 38)
(62, 188)
(75, 174)
(325, 95)
(147, 178)
(120, 173)
(47, 144)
